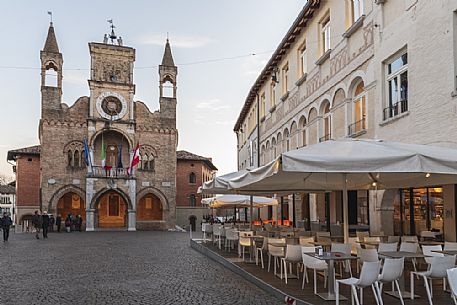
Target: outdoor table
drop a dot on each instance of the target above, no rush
(330, 258)
(446, 252)
(323, 243)
(400, 254)
(369, 243)
(430, 243)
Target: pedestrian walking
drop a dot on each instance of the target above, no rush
(45, 224)
(52, 222)
(68, 223)
(36, 221)
(80, 223)
(6, 223)
(58, 222)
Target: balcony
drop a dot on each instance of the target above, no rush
(108, 172)
(395, 109)
(357, 127)
(325, 138)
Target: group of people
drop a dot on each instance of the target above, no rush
(46, 223)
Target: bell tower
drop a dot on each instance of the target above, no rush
(168, 73)
(51, 76)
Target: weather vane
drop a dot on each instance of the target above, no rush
(50, 14)
(112, 36)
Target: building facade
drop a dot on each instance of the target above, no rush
(87, 148)
(192, 172)
(8, 201)
(361, 69)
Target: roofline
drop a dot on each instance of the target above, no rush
(11, 156)
(288, 39)
(207, 161)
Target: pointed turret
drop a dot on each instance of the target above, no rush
(50, 45)
(51, 75)
(167, 59)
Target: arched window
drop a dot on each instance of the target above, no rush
(302, 125)
(83, 160)
(327, 128)
(145, 162)
(76, 159)
(192, 200)
(70, 158)
(359, 109)
(192, 178)
(167, 89)
(150, 162)
(50, 79)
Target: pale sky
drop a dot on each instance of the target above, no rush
(211, 42)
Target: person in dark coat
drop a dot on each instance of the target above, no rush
(68, 223)
(45, 224)
(36, 221)
(80, 223)
(52, 222)
(58, 222)
(6, 224)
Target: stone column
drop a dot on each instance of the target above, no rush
(90, 220)
(131, 220)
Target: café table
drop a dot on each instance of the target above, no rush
(430, 243)
(400, 254)
(330, 258)
(446, 252)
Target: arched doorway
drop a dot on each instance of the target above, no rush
(71, 203)
(193, 222)
(111, 211)
(149, 208)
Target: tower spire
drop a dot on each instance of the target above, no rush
(167, 59)
(50, 45)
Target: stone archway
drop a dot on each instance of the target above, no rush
(71, 203)
(53, 203)
(152, 210)
(110, 209)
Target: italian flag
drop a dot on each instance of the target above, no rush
(135, 159)
(103, 155)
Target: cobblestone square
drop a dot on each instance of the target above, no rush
(117, 268)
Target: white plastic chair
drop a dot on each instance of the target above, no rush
(393, 239)
(260, 250)
(275, 251)
(368, 277)
(366, 255)
(428, 251)
(391, 273)
(438, 267)
(387, 247)
(411, 248)
(244, 242)
(409, 239)
(207, 229)
(371, 240)
(231, 237)
(218, 232)
(312, 263)
(346, 249)
(293, 256)
(306, 241)
(450, 246)
(452, 279)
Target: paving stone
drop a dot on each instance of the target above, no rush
(117, 268)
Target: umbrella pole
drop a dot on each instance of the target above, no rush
(251, 199)
(293, 210)
(345, 209)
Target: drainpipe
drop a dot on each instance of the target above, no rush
(258, 130)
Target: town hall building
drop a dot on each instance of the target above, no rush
(86, 149)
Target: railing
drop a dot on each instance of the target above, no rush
(395, 109)
(356, 127)
(325, 138)
(109, 172)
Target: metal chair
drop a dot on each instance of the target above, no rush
(306, 241)
(274, 251)
(428, 251)
(263, 248)
(438, 267)
(368, 277)
(231, 237)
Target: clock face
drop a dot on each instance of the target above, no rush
(111, 105)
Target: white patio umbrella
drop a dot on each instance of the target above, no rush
(239, 201)
(351, 164)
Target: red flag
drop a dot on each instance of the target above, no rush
(135, 159)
